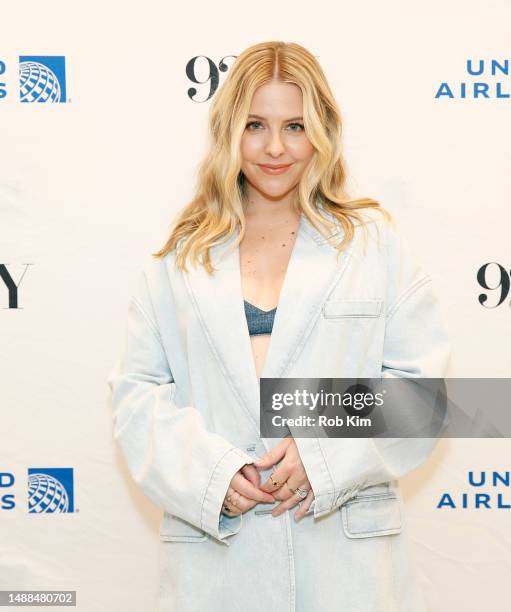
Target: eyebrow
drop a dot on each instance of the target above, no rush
(285, 120)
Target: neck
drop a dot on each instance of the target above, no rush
(260, 206)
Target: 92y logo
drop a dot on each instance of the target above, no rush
(203, 71)
(12, 287)
(495, 279)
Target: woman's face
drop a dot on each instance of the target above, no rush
(275, 136)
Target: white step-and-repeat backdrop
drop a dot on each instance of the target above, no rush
(94, 166)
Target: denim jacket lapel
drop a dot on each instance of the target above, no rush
(312, 272)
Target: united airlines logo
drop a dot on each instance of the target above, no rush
(483, 79)
(488, 490)
(50, 490)
(42, 78)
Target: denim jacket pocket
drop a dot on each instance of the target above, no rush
(333, 309)
(372, 515)
(174, 529)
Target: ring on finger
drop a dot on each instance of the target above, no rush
(275, 483)
(302, 493)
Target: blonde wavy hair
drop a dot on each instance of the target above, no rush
(216, 211)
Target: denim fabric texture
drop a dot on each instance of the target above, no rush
(259, 321)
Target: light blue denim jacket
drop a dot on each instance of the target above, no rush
(185, 402)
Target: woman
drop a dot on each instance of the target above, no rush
(272, 271)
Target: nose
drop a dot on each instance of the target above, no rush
(274, 145)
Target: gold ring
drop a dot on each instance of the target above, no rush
(275, 483)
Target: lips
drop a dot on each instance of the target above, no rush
(274, 169)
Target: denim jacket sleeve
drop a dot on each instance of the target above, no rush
(416, 344)
(156, 436)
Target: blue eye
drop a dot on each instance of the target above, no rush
(258, 123)
(299, 125)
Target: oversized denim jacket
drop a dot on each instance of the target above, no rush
(184, 397)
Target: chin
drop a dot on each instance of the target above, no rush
(275, 192)
(271, 188)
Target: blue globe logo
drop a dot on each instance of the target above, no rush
(38, 83)
(46, 494)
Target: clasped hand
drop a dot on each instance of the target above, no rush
(245, 489)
